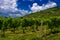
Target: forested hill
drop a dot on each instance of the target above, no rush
(45, 13)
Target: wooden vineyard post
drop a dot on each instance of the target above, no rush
(41, 29)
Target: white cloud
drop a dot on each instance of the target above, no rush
(14, 15)
(22, 13)
(9, 6)
(35, 7)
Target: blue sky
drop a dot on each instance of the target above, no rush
(17, 8)
(25, 4)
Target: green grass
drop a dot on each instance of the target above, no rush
(31, 35)
(19, 36)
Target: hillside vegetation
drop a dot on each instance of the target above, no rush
(44, 25)
(45, 13)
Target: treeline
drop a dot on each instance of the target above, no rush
(33, 23)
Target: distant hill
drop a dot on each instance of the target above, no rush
(42, 14)
(45, 13)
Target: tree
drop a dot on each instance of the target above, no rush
(15, 24)
(1, 23)
(24, 24)
(32, 24)
(4, 26)
(37, 23)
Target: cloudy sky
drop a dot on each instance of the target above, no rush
(17, 8)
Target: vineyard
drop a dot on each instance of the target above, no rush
(30, 27)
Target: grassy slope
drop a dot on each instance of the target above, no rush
(45, 14)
